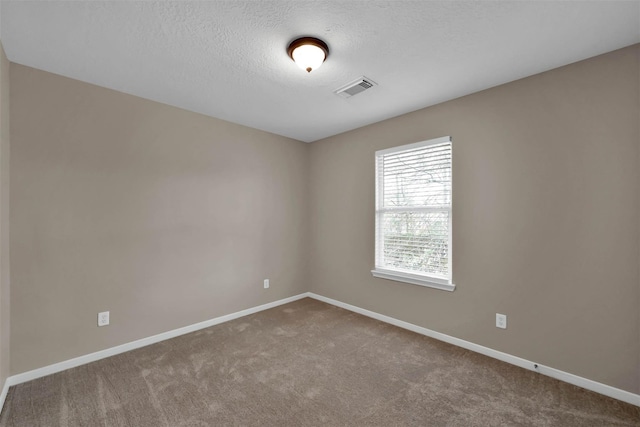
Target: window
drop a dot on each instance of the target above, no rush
(413, 214)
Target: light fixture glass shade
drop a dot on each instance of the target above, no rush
(308, 53)
(308, 57)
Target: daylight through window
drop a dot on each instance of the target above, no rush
(413, 213)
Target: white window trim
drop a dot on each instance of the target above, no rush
(430, 281)
(414, 279)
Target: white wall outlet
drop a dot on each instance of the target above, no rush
(501, 321)
(266, 283)
(103, 318)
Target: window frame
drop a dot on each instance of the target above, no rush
(400, 275)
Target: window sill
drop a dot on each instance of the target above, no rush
(414, 279)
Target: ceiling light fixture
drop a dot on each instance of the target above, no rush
(308, 52)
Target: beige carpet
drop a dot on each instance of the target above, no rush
(306, 364)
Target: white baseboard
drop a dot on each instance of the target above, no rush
(3, 395)
(92, 357)
(597, 387)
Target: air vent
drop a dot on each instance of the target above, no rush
(355, 87)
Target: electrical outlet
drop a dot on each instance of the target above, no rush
(103, 318)
(501, 321)
(266, 283)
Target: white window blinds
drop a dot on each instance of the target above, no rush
(413, 210)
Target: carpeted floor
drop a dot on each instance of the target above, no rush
(306, 364)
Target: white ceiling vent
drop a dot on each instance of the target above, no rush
(355, 87)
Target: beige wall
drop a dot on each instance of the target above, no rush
(545, 214)
(162, 216)
(4, 217)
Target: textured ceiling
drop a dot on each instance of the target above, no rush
(227, 59)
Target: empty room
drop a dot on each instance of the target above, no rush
(319, 213)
